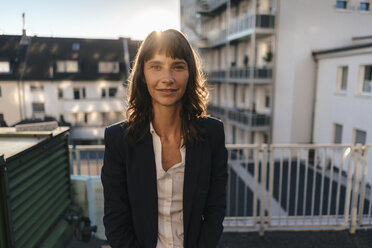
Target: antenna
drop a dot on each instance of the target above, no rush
(24, 24)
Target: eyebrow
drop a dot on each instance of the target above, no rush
(157, 62)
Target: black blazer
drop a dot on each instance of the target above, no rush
(130, 189)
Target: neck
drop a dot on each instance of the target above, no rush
(167, 121)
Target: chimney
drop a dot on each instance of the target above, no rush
(24, 40)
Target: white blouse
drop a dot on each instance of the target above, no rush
(170, 198)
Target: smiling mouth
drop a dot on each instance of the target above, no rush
(167, 90)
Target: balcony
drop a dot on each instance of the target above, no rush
(284, 188)
(241, 118)
(243, 26)
(256, 75)
(96, 105)
(210, 6)
(216, 37)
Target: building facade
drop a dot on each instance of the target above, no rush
(344, 94)
(77, 81)
(257, 55)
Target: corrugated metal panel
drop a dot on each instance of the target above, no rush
(37, 186)
(4, 242)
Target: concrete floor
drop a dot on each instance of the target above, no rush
(324, 239)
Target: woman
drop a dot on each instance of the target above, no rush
(164, 172)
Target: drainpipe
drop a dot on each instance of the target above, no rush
(314, 100)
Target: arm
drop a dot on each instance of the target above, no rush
(214, 211)
(117, 213)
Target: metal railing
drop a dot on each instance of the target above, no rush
(208, 6)
(217, 37)
(285, 187)
(241, 74)
(240, 116)
(244, 23)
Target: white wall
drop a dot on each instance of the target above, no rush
(349, 109)
(304, 26)
(9, 102)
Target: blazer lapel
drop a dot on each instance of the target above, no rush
(192, 167)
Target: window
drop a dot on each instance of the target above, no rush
(86, 117)
(360, 137)
(4, 67)
(364, 6)
(0, 92)
(108, 67)
(365, 79)
(75, 46)
(60, 93)
(103, 93)
(34, 87)
(337, 133)
(69, 66)
(38, 107)
(79, 93)
(112, 92)
(342, 72)
(341, 4)
(1, 117)
(76, 93)
(267, 99)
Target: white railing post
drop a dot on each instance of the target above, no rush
(358, 153)
(77, 156)
(263, 189)
(363, 189)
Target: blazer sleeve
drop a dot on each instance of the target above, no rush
(117, 217)
(214, 211)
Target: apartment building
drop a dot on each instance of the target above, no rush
(343, 93)
(78, 81)
(258, 58)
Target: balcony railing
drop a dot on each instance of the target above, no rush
(242, 75)
(244, 118)
(244, 24)
(208, 6)
(217, 37)
(284, 187)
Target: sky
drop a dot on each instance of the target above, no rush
(89, 18)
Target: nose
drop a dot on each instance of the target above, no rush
(168, 76)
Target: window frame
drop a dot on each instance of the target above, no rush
(367, 4)
(355, 136)
(335, 139)
(361, 81)
(9, 71)
(108, 67)
(60, 93)
(346, 2)
(64, 66)
(112, 89)
(342, 79)
(36, 109)
(81, 92)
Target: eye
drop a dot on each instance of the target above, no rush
(180, 67)
(155, 67)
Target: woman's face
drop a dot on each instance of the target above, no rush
(166, 79)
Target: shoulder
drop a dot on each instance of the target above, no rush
(116, 128)
(211, 125)
(213, 128)
(116, 133)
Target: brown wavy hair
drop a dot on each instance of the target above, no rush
(194, 102)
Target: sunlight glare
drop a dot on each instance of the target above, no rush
(154, 19)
